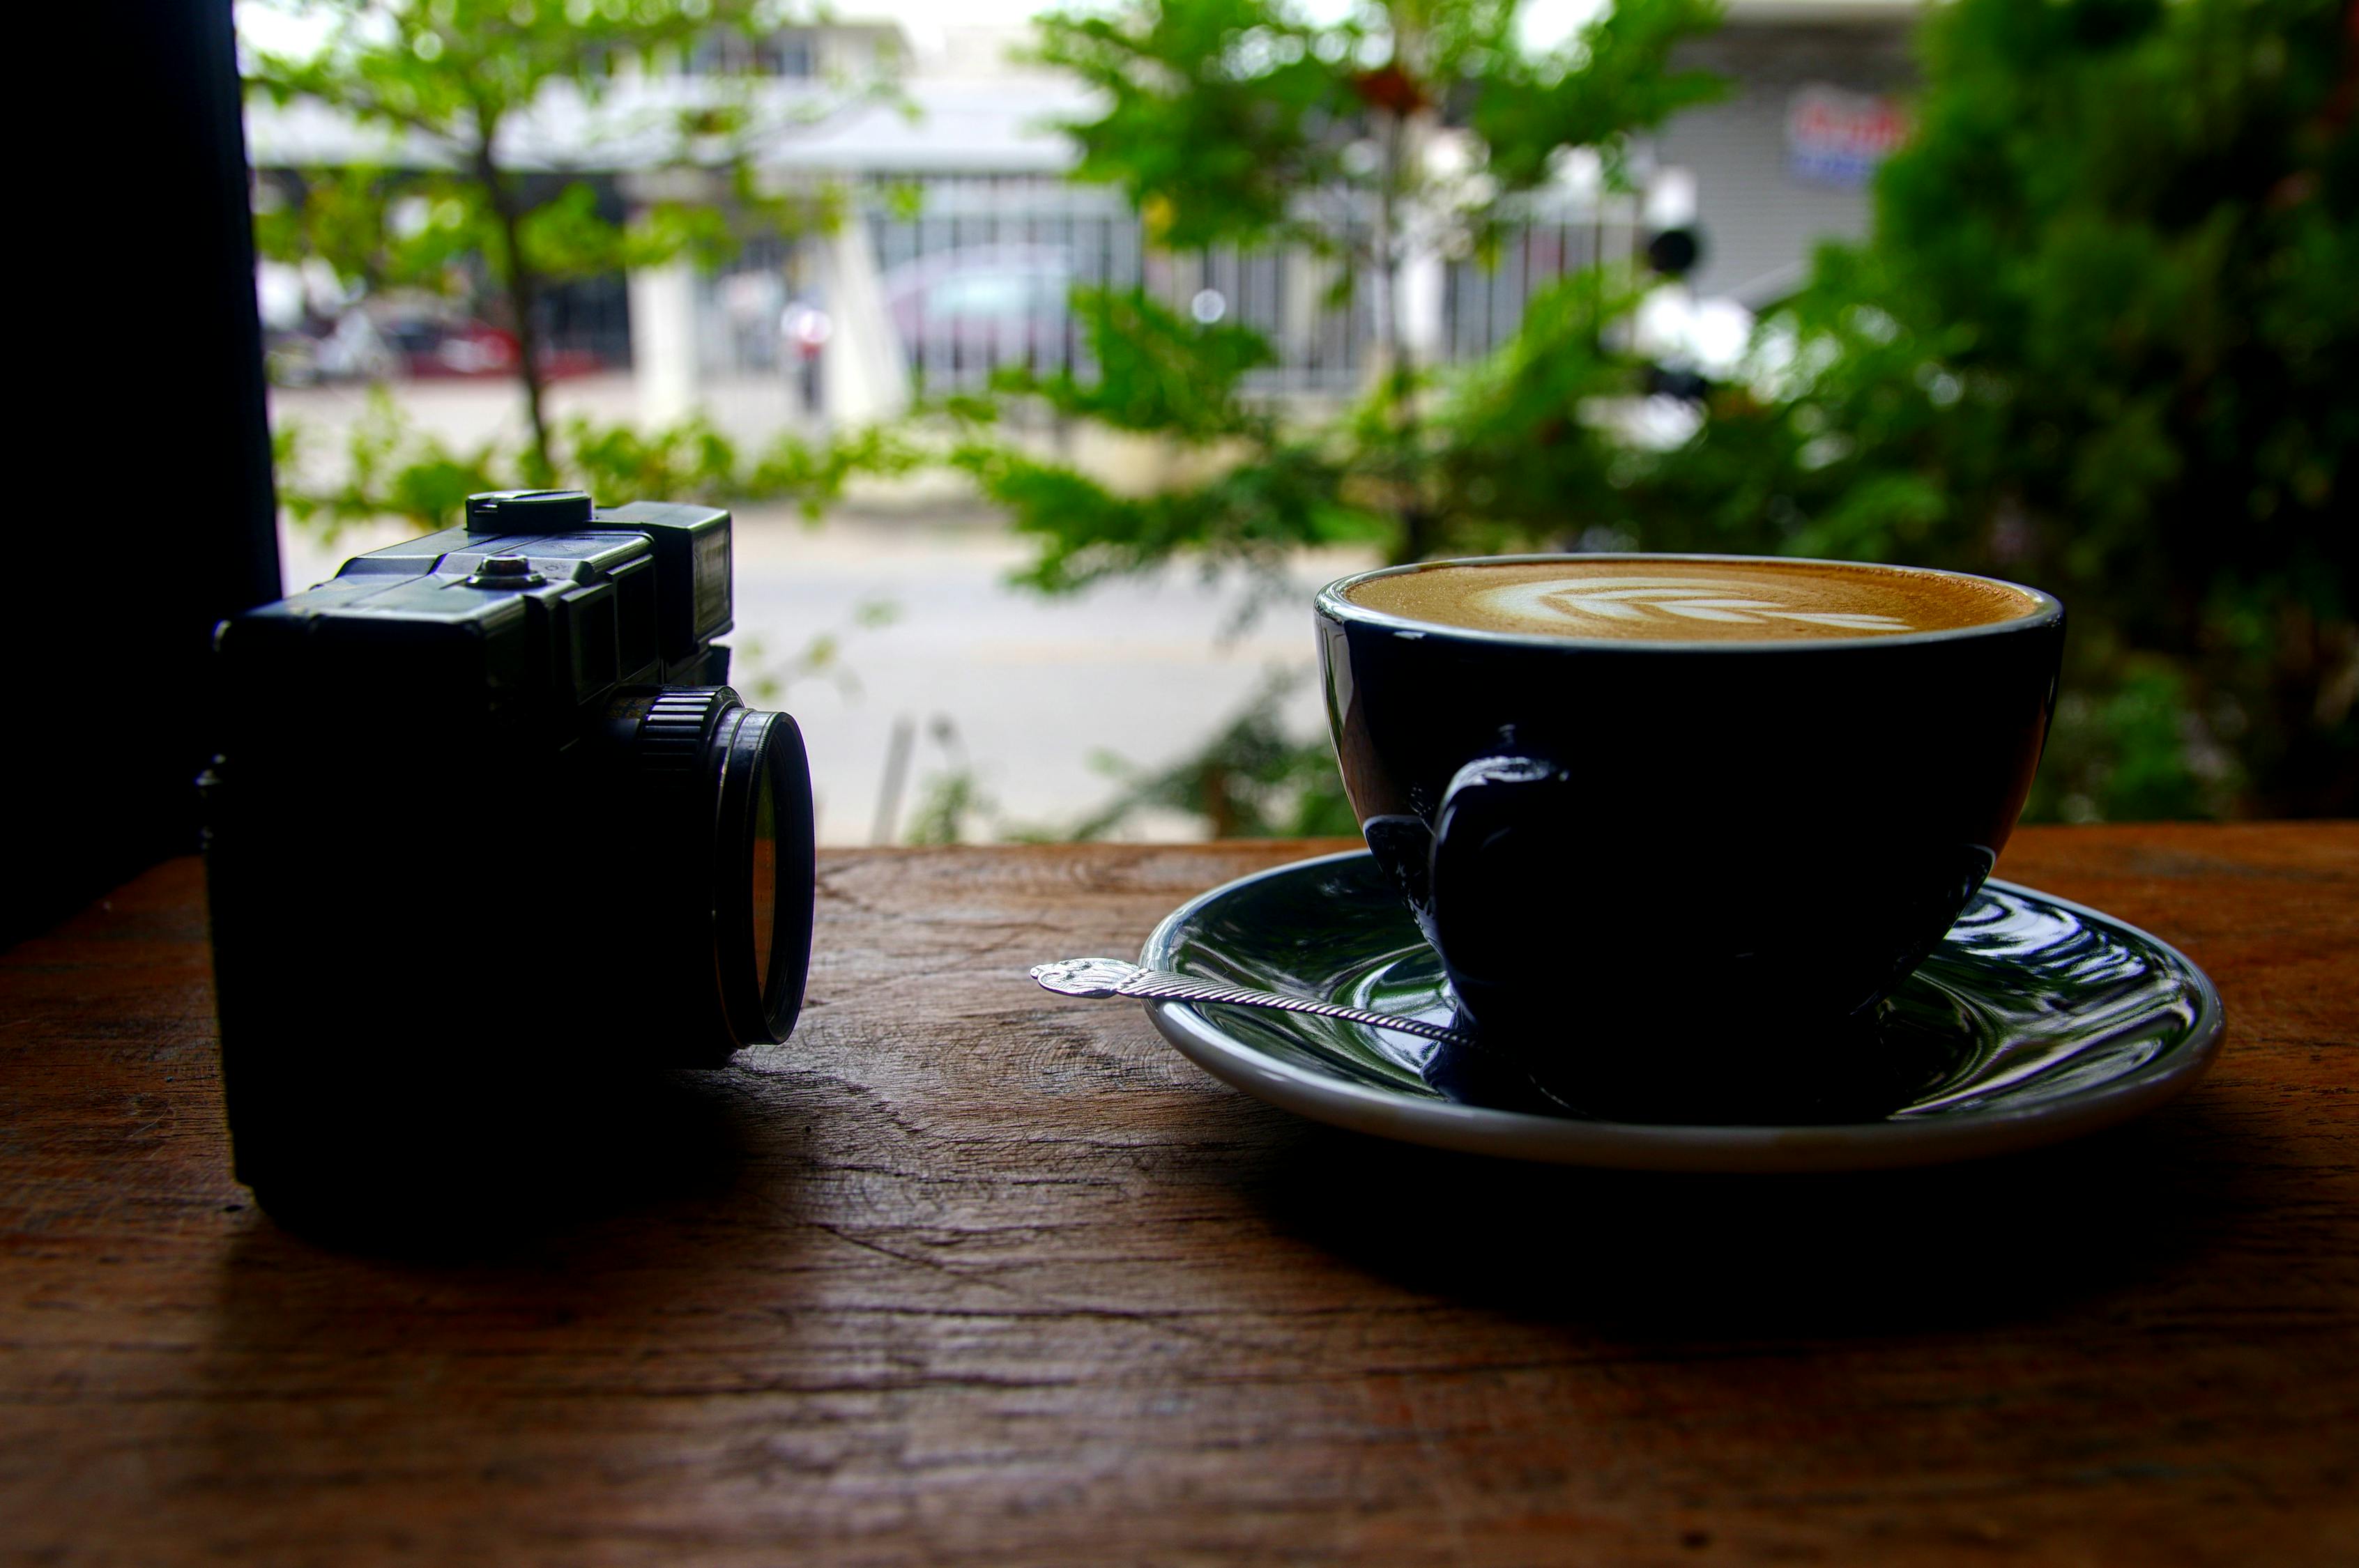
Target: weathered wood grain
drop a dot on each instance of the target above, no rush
(970, 1272)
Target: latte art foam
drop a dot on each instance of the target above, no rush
(1674, 601)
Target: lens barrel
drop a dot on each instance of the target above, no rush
(762, 857)
(724, 791)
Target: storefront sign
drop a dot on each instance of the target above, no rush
(1837, 139)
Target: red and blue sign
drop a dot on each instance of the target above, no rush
(1837, 139)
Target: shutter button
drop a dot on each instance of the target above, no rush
(503, 571)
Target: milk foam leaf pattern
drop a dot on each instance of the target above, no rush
(1672, 600)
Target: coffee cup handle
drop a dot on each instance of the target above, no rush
(1481, 916)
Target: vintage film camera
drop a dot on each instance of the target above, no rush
(486, 823)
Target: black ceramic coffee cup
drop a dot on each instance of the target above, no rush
(1641, 860)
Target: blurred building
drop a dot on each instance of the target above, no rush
(1783, 161)
(968, 238)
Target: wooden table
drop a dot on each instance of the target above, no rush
(971, 1272)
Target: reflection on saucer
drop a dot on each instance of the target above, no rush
(2035, 1020)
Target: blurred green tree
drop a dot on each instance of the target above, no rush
(2125, 246)
(2103, 338)
(388, 468)
(451, 82)
(1405, 125)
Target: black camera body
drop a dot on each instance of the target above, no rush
(487, 820)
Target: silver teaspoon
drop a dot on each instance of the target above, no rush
(1112, 977)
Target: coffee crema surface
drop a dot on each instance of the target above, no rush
(1671, 600)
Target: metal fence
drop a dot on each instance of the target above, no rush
(976, 273)
(588, 317)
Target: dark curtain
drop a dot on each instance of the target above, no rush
(141, 496)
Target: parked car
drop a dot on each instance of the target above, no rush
(437, 344)
(349, 348)
(982, 307)
(401, 335)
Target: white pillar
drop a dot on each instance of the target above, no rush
(663, 341)
(1424, 284)
(863, 372)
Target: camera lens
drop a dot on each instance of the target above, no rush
(762, 866)
(726, 871)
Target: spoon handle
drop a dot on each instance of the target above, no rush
(1112, 977)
